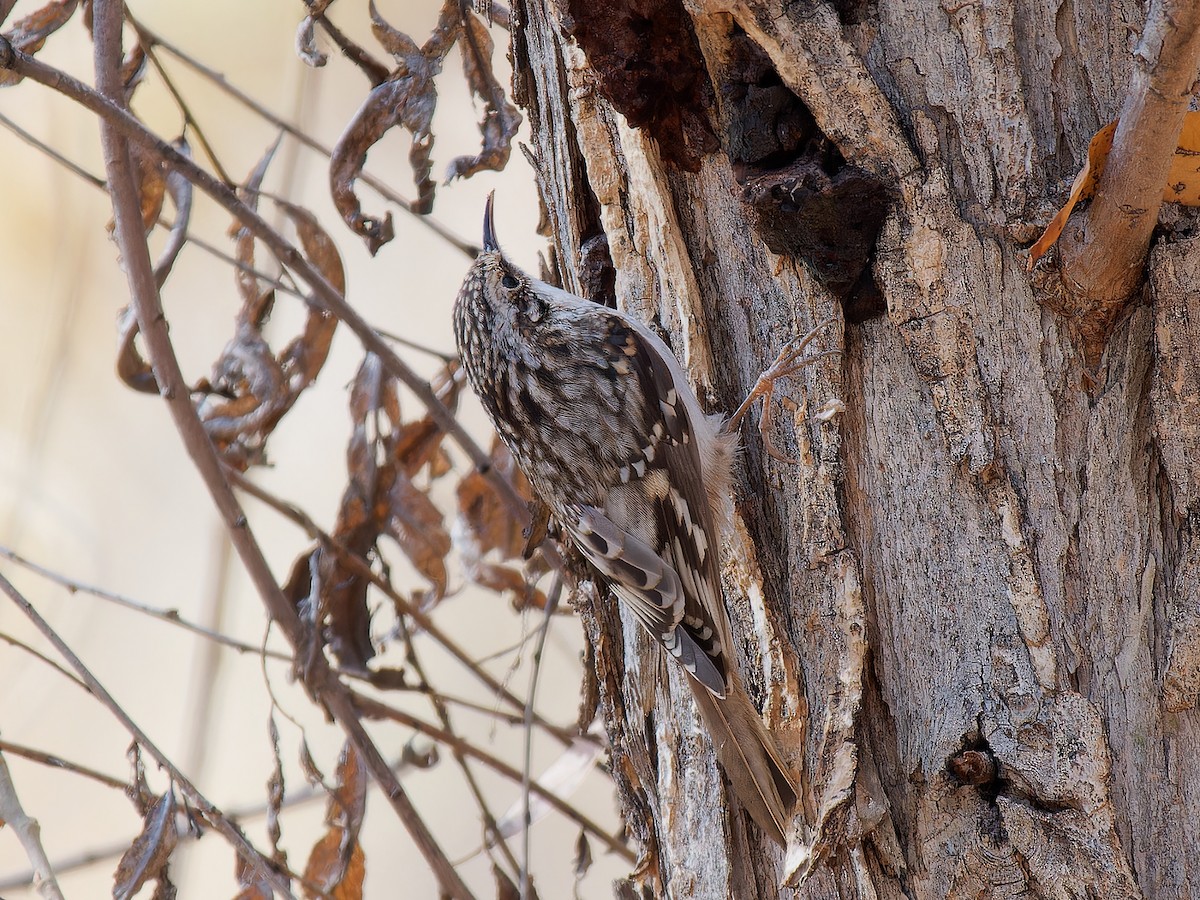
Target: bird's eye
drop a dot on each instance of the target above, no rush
(510, 282)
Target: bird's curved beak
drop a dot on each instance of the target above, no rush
(490, 244)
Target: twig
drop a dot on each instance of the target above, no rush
(485, 812)
(378, 709)
(107, 19)
(42, 657)
(1104, 251)
(231, 832)
(57, 762)
(184, 110)
(552, 599)
(164, 615)
(29, 833)
(49, 151)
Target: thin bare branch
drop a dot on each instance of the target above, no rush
(189, 119)
(171, 616)
(29, 833)
(219, 822)
(1104, 251)
(332, 692)
(57, 762)
(41, 657)
(378, 709)
(552, 601)
(49, 151)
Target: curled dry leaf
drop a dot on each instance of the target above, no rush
(485, 526)
(251, 388)
(407, 98)
(275, 792)
(133, 70)
(306, 43)
(29, 34)
(147, 857)
(500, 118)
(583, 856)
(336, 864)
(1183, 181)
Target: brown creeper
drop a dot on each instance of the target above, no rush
(600, 418)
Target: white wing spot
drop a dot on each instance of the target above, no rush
(639, 467)
(624, 473)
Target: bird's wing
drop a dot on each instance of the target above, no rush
(654, 539)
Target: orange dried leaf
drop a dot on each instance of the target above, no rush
(1183, 180)
(337, 879)
(336, 864)
(1082, 188)
(415, 523)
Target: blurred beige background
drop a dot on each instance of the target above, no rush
(95, 484)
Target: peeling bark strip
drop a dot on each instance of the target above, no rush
(970, 610)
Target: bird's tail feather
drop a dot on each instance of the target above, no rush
(751, 760)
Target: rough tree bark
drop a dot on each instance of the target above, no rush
(970, 610)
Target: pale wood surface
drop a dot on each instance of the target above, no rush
(992, 548)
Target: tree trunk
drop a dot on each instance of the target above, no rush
(969, 608)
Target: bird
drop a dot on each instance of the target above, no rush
(599, 416)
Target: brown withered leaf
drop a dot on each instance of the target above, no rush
(506, 889)
(255, 306)
(406, 99)
(484, 524)
(147, 857)
(179, 190)
(500, 118)
(419, 443)
(383, 457)
(29, 34)
(251, 388)
(336, 864)
(583, 856)
(415, 523)
(308, 766)
(252, 882)
(305, 356)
